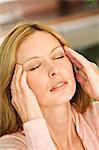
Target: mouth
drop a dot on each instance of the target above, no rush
(60, 86)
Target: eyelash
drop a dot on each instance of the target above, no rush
(39, 65)
(34, 68)
(59, 57)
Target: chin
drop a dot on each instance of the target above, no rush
(65, 96)
(58, 98)
(57, 101)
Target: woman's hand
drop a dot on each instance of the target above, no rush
(23, 99)
(88, 74)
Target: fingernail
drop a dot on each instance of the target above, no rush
(17, 66)
(65, 46)
(25, 73)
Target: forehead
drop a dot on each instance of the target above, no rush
(37, 44)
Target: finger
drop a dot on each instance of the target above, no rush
(17, 107)
(82, 61)
(75, 56)
(18, 73)
(12, 86)
(93, 64)
(25, 87)
(23, 82)
(95, 67)
(14, 93)
(76, 63)
(13, 102)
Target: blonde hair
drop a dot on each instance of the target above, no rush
(9, 119)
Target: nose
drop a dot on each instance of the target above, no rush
(53, 71)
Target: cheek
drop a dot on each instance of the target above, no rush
(67, 71)
(33, 81)
(67, 68)
(37, 84)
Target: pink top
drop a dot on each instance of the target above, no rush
(37, 136)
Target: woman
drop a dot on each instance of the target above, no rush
(47, 91)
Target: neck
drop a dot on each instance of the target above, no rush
(60, 123)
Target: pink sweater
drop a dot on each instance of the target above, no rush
(37, 136)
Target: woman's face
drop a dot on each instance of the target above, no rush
(50, 74)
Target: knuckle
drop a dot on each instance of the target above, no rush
(13, 102)
(93, 64)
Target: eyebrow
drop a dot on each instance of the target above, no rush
(38, 56)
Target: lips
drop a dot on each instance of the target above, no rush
(58, 85)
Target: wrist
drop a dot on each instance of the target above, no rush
(32, 116)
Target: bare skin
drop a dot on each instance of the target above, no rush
(58, 123)
(62, 127)
(30, 105)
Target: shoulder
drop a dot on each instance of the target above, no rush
(92, 111)
(89, 120)
(14, 141)
(91, 116)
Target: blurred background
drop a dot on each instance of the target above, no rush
(76, 20)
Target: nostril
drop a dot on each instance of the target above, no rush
(53, 74)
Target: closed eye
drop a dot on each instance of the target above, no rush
(59, 57)
(34, 68)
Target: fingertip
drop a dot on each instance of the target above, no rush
(65, 47)
(18, 66)
(24, 73)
